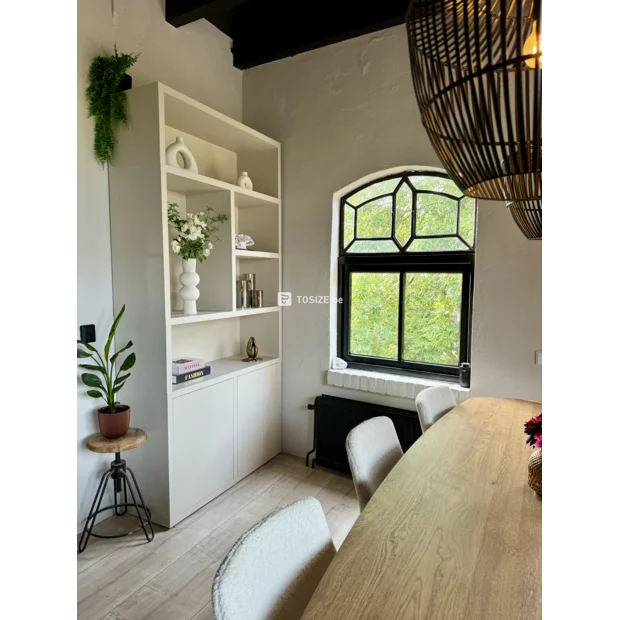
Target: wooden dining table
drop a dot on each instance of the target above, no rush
(452, 533)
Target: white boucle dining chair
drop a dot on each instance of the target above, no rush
(273, 570)
(372, 450)
(433, 403)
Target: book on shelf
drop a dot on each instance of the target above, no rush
(192, 374)
(185, 364)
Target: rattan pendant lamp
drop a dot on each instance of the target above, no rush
(477, 76)
(527, 215)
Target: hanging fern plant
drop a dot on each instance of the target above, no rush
(106, 102)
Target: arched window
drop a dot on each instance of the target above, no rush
(406, 264)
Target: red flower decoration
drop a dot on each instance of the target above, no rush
(535, 421)
(533, 428)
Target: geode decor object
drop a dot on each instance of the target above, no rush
(243, 242)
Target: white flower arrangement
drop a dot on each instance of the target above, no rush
(195, 232)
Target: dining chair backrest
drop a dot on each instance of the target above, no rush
(272, 571)
(373, 449)
(433, 403)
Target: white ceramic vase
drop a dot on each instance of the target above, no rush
(244, 181)
(189, 286)
(178, 148)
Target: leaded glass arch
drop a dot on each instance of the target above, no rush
(410, 212)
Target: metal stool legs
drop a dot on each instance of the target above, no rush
(118, 473)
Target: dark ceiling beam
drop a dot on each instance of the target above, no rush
(182, 12)
(266, 30)
(272, 30)
(248, 54)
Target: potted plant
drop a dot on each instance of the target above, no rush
(193, 243)
(107, 101)
(114, 417)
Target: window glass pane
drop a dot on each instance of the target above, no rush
(435, 215)
(374, 314)
(382, 187)
(372, 246)
(374, 219)
(404, 197)
(443, 244)
(349, 225)
(466, 223)
(432, 318)
(436, 184)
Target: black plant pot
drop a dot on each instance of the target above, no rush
(126, 82)
(465, 375)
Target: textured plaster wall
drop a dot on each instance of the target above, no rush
(343, 112)
(196, 60)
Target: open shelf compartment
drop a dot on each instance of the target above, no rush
(223, 368)
(222, 344)
(190, 183)
(222, 147)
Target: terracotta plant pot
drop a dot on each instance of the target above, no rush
(114, 425)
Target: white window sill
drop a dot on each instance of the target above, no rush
(389, 384)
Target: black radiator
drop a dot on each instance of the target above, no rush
(335, 417)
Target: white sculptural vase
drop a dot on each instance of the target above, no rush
(244, 181)
(189, 286)
(178, 148)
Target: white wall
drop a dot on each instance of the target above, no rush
(507, 320)
(196, 60)
(343, 112)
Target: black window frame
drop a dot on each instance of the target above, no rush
(404, 262)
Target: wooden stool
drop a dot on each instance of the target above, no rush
(118, 472)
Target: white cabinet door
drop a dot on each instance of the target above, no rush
(203, 439)
(259, 418)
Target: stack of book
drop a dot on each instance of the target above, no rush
(188, 368)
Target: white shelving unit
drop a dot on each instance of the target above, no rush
(206, 434)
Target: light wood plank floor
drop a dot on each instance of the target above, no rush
(171, 577)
